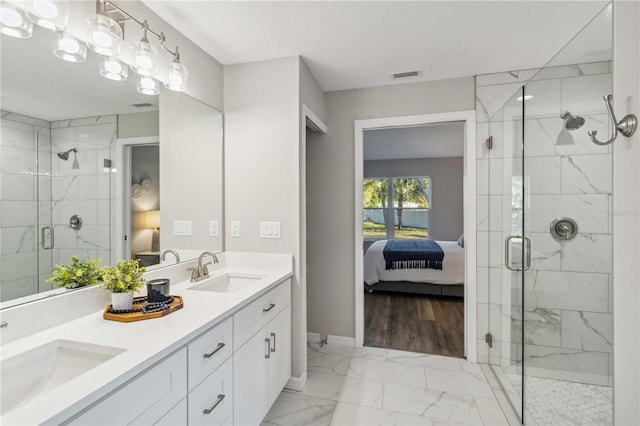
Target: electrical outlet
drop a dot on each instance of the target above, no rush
(235, 228)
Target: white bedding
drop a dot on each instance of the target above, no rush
(452, 266)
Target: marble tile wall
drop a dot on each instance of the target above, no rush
(567, 312)
(39, 189)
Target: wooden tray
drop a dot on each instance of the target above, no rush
(138, 316)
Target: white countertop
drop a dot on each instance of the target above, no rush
(145, 342)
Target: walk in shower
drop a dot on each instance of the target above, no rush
(549, 235)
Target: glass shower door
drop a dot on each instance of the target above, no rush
(508, 247)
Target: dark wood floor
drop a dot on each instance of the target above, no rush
(416, 323)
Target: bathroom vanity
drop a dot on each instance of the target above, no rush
(222, 359)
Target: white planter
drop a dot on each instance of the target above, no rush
(122, 301)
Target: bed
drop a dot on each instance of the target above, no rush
(448, 281)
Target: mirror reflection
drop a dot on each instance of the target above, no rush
(80, 171)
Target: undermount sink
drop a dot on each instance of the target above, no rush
(46, 367)
(228, 283)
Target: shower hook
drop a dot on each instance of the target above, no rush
(626, 126)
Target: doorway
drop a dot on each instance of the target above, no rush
(469, 290)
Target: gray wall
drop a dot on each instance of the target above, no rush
(139, 124)
(446, 217)
(330, 185)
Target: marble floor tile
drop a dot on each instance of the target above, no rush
(352, 415)
(345, 389)
(490, 411)
(425, 360)
(430, 403)
(327, 363)
(461, 383)
(387, 372)
(296, 409)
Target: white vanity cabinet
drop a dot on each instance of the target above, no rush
(146, 399)
(262, 364)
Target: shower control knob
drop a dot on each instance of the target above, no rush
(75, 222)
(563, 228)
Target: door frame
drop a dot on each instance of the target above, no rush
(469, 205)
(123, 191)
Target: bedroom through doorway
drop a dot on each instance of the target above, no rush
(411, 222)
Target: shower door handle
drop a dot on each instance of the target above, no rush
(43, 243)
(507, 253)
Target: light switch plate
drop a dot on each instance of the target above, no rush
(182, 227)
(235, 228)
(213, 228)
(270, 230)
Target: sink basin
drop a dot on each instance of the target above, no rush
(228, 283)
(46, 367)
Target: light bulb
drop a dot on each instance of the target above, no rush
(45, 8)
(10, 17)
(177, 77)
(14, 22)
(145, 58)
(106, 35)
(148, 86)
(69, 48)
(113, 69)
(50, 14)
(69, 45)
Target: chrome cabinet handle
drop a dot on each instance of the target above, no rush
(268, 342)
(214, 405)
(274, 342)
(271, 306)
(213, 352)
(43, 237)
(507, 256)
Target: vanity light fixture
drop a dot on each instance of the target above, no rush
(14, 21)
(50, 14)
(145, 60)
(69, 47)
(113, 69)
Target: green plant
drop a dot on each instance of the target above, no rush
(125, 277)
(79, 273)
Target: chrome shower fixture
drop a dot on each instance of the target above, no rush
(571, 122)
(65, 155)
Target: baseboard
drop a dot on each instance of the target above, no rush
(297, 383)
(313, 337)
(341, 341)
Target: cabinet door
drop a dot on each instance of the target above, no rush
(280, 361)
(250, 376)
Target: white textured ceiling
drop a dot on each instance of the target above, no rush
(428, 141)
(350, 44)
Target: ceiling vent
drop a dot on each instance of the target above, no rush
(405, 74)
(142, 105)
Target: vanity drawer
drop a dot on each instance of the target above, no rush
(254, 316)
(145, 399)
(214, 395)
(209, 351)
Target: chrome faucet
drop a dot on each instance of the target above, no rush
(201, 272)
(173, 252)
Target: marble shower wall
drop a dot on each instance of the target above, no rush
(24, 154)
(85, 190)
(39, 189)
(567, 311)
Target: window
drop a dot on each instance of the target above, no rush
(405, 199)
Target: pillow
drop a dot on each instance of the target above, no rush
(461, 240)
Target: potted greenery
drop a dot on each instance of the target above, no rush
(122, 281)
(78, 273)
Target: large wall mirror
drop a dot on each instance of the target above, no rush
(86, 162)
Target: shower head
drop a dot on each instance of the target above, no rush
(65, 155)
(571, 122)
